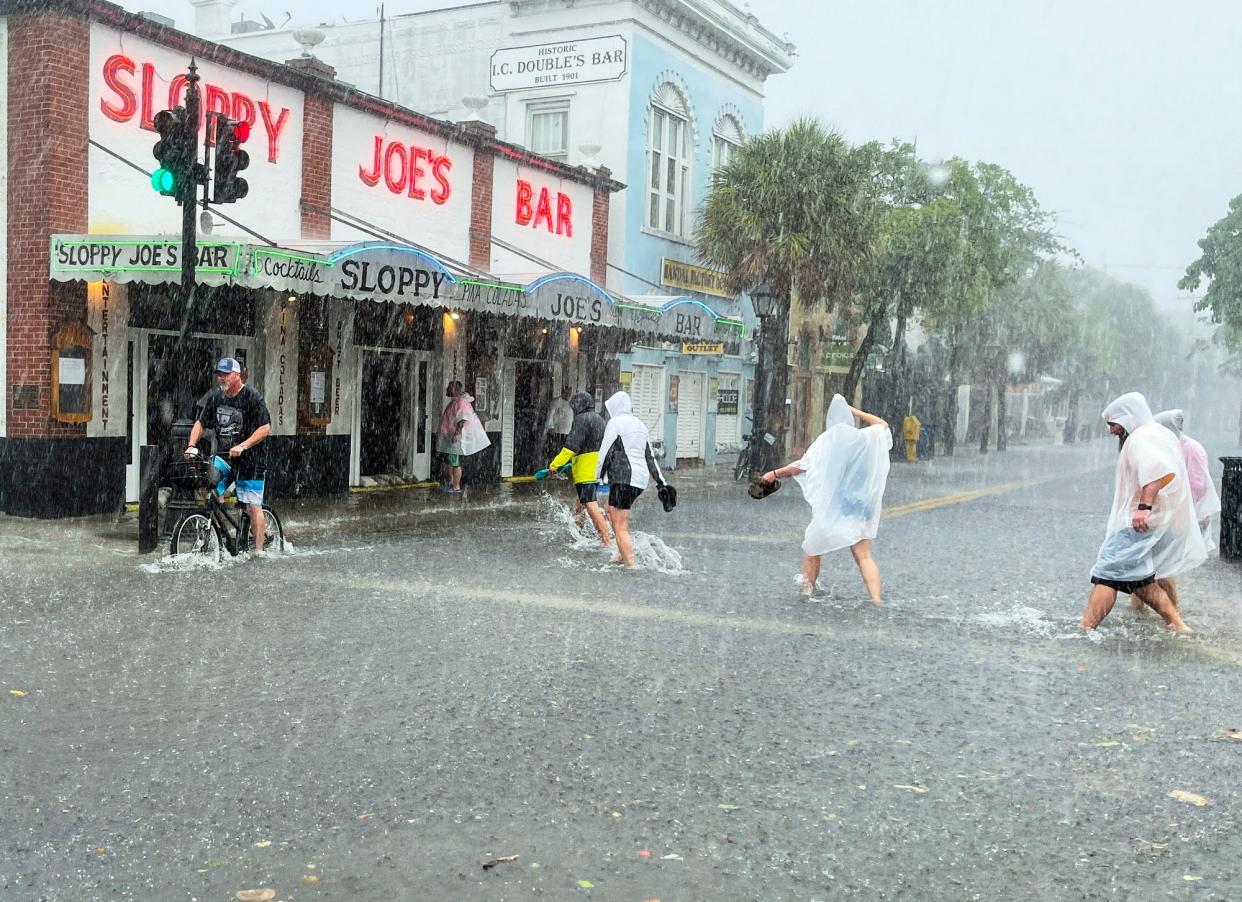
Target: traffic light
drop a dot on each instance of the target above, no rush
(175, 151)
(227, 185)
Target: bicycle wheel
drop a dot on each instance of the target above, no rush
(196, 534)
(273, 532)
(740, 471)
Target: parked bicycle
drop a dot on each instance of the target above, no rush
(755, 458)
(212, 528)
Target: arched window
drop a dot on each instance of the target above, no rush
(669, 144)
(727, 136)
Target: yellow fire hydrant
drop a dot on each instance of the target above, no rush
(911, 429)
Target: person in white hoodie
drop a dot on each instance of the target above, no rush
(1152, 531)
(628, 464)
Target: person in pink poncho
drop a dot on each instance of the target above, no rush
(461, 433)
(1202, 488)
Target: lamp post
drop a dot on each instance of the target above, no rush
(765, 300)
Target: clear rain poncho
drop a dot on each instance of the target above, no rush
(843, 477)
(1173, 543)
(1198, 472)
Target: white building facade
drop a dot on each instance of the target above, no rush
(658, 92)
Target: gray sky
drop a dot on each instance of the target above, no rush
(1122, 116)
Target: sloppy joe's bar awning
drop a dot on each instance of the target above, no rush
(381, 271)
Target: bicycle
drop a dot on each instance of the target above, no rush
(755, 457)
(211, 528)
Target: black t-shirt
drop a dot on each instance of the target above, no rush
(234, 420)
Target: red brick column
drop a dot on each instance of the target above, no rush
(599, 231)
(49, 74)
(316, 154)
(481, 199)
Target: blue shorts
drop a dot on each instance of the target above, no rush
(249, 491)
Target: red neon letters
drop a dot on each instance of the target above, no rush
(234, 104)
(540, 211)
(401, 167)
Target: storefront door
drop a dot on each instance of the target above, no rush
(392, 431)
(690, 416)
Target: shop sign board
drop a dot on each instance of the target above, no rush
(706, 348)
(726, 401)
(573, 62)
(149, 259)
(677, 274)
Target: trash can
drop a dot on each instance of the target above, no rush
(1231, 508)
(182, 498)
(927, 443)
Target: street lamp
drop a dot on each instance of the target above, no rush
(765, 299)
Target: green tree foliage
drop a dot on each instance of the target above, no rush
(1221, 266)
(793, 208)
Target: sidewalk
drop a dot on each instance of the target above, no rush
(370, 510)
(378, 510)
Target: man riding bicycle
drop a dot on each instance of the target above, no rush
(241, 421)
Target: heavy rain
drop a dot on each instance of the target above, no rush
(653, 450)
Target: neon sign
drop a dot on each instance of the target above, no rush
(532, 212)
(128, 101)
(401, 167)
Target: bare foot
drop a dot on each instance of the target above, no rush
(1181, 628)
(877, 601)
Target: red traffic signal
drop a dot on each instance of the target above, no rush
(227, 186)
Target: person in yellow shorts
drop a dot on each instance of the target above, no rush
(581, 451)
(911, 429)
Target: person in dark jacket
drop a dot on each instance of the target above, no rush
(582, 452)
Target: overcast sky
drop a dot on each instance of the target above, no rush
(1123, 116)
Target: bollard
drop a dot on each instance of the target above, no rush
(1231, 508)
(149, 459)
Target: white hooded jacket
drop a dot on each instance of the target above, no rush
(1150, 453)
(843, 476)
(625, 455)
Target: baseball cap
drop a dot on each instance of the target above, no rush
(228, 365)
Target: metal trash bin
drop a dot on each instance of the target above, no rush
(1231, 508)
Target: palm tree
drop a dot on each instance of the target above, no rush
(793, 209)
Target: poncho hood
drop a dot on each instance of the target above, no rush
(1172, 419)
(619, 404)
(839, 413)
(1130, 411)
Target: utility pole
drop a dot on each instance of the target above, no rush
(189, 205)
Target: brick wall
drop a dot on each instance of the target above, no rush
(599, 231)
(481, 199)
(47, 194)
(317, 168)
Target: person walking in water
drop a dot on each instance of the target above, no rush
(461, 433)
(627, 462)
(581, 450)
(842, 476)
(1152, 532)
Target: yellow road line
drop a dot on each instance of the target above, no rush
(899, 510)
(606, 608)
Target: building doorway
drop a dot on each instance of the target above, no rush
(189, 375)
(533, 390)
(392, 438)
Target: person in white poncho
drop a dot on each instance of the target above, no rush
(842, 476)
(1152, 530)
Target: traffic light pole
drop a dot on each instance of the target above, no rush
(189, 209)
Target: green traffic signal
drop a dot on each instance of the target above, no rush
(163, 181)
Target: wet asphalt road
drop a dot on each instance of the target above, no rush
(376, 717)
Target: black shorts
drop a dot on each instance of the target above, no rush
(1121, 585)
(586, 491)
(622, 496)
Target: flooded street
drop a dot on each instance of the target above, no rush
(380, 717)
